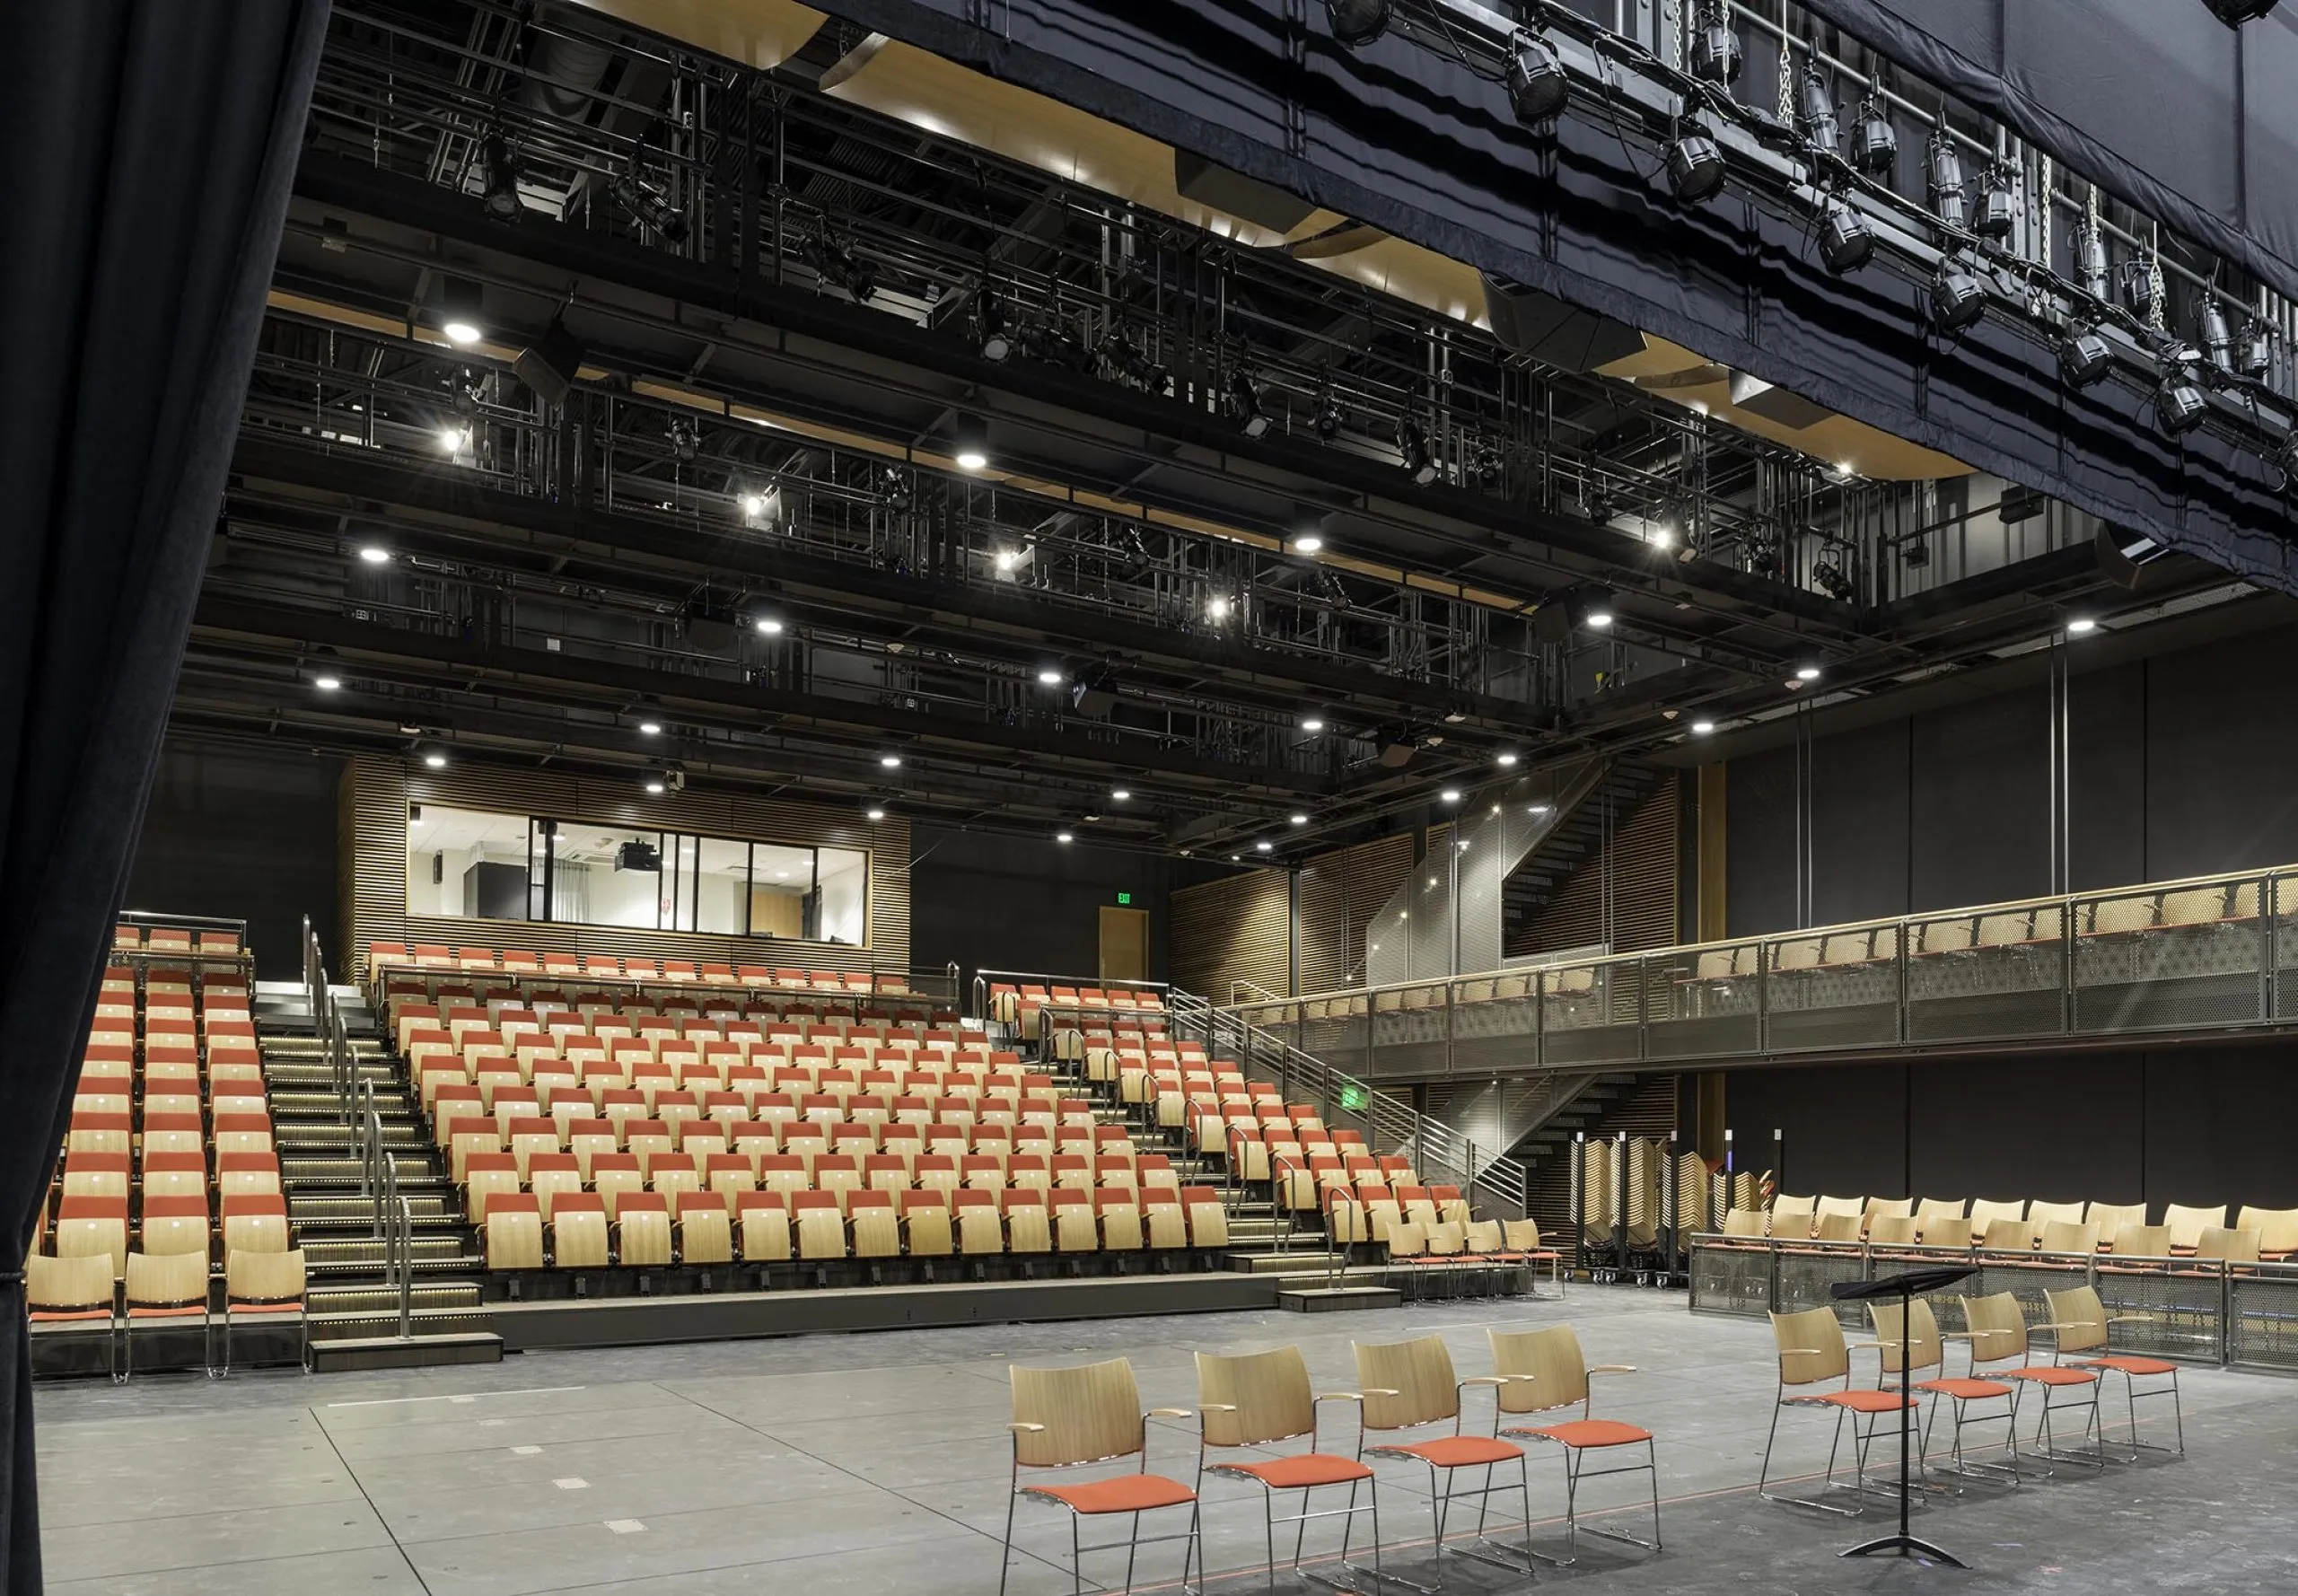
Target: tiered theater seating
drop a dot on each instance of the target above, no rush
(1022, 1005)
(2017, 1225)
(423, 968)
(168, 1161)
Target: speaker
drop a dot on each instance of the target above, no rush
(2123, 550)
(549, 368)
(1247, 198)
(710, 636)
(1542, 326)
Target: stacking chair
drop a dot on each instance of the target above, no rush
(75, 1291)
(2233, 1247)
(2080, 1323)
(1259, 1399)
(267, 1288)
(1409, 1385)
(1812, 1351)
(1065, 1418)
(1545, 1371)
(1996, 1329)
(2186, 1225)
(1927, 1351)
(166, 1289)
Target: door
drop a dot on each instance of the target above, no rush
(1125, 944)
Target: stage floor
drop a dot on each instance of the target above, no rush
(878, 1462)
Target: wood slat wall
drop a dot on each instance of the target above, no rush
(1339, 892)
(376, 792)
(1236, 929)
(1646, 855)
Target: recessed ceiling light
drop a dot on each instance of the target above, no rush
(1120, 794)
(1312, 724)
(1216, 609)
(1300, 819)
(1263, 847)
(375, 554)
(1807, 673)
(1450, 794)
(753, 504)
(462, 334)
(654, 788)
(1062, 836)
(1536, 809)
(1050, 678)
(876, 814)
(769, 625)
(437, 761)
(1232, 858)
(2080, 625)
(327, 684)
(1004, 559)
(452, 439)
(1600, 619)
(1702, 728)
(1662, 537)
(650, 728)
(973, 460)
(1505, 760)
(890, 761)
(1307, 543)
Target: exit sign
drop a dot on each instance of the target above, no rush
(1352, 1096)
(1124, 898)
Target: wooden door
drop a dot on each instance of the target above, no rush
(1125, 944)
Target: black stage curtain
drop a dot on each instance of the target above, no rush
(151, 148)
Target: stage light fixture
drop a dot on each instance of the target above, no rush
(2138, 290)
(458, 310)
(1942, 179)
(1245, 405)
(2257, 361)
(1538, 88)
(1327, 419)
(997, 341)
(2179, 403)
(1820, 125)
(753, 505)
(893, 487)
(2216, 334)
(1846, 243)
(1094, 692)
(1357, 21)
(1299, 820)
(654, 788)
(1412, 445)
(2286, 459)
(1696, 168)
(685, 443)
(453, 440)
(1715, 55)
(1596, 613)
(1958, 298)
(1837, 584)
(2235, 13)
(970, 438)
(500, 176)
(1216, 607)
(1874, 141)
(646, 206)
(2090, 251)
(1998, 205)
(1120, 794)
(2085, 356)
(1807, 673)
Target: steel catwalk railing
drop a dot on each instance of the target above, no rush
(2213, 954)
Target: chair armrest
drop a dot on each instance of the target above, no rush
(1605, 1369)
(1369, 1391)
(1799, 1352)
(1490, 1380)
(1026, 1429)
(1847, 1346)
(1216, 1408)
(1170, 1413)
(2129, 1317)
(1956, 1335)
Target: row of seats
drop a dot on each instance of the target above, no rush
(590, 1229)
(2119, 1228)
(705, 1163)
(175, 941)
(563, 1027)
(159, 1291)
(167, 1225)
(382, 957)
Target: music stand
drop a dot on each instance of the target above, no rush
(1905, 1286)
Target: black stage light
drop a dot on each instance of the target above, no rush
(1942, 179)
(1328, 418)
(1396, 748)
(996, 342)
(2258, 350)
(893, 487)
(1830, 576)
(1245, 405)
(2138, 290)
(2085, 356)
(1846, 243)
(2235, 13)
(2218, 334)
(2179, 403)
(1491, 467)
(1358, 22)
(648, 207)
(1874, 141)
(1538, 87)
(1958, 298)
(683, 440)
(1412, 444)
(551, 366)
(1998, 205)
(1094, 692)
(1714, 47)
(2091, 258)
(501, 176)
(1820, 124)
(1696, 168)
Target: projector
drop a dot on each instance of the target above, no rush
(638, 856)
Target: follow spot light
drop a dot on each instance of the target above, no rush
(1358, 22)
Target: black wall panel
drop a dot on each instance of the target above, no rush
(2223, 757)
(2196, 1125)
(2107, 759)
(1979, 822)
(1759, 844)
(989, 902)
(1859, 862)
(248, 834)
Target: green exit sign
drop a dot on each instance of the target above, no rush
(1124, 898)
(1352, 1097)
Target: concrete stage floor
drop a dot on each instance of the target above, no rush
(878, 1462)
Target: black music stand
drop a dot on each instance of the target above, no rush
(1905, 1286)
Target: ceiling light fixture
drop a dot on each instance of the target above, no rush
(1696, 168)
(1958, 298)
(654, 789)
(970, 439)
(1450, 794)
(1506, 761)
(1307, 543)
(1263, 847)
(327, 683)
(890, 761)
(1807, 673)
(1120, 794)
(1702, 728)
(437, 761)
(1064, 836)
(1048, 678)
(650, 728)
(1312, 724)
(2082, 626)
(769, 627)
(1299, 820)
(875, 815)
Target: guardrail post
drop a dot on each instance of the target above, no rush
(1579, 1200)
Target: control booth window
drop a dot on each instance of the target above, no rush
(473, 865)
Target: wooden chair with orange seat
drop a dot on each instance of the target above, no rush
(1257, 1400)
(1927, 1349)
(1546, 1371)
(1997, 1328)
(1811, 1351)
(1069, 1418)
(2080, 1323)
(1410, 1385)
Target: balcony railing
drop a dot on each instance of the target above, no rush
(2211, 955)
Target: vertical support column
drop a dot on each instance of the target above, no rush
(1709, 1137)
(1619, 1204)
(1578, 1208)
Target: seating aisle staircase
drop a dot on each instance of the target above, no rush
(339, 1171)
